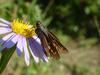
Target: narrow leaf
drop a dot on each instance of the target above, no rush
(6, 55)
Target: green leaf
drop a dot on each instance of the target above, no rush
(6, 55)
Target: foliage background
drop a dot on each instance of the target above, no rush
(77, 25)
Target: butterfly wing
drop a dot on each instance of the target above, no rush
(57, 43)
(44, 42)
(52, 51)
(49, 42)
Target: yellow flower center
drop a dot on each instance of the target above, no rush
(22, 28)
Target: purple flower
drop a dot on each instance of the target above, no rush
(23, 35)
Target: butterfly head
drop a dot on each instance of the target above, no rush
(38, 24)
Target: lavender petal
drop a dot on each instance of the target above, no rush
(27, 57)
(5, 38)
(5, 21)
(37, 49)
(3, 25)
(11, 42)
(36, 58)
(5, 30)
(19, 47)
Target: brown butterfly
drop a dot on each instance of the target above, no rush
(50, 42)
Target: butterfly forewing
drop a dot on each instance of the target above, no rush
(57, 43)
(53, 50)
(43, 41)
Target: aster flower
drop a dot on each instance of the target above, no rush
(22, 35)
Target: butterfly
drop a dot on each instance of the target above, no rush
(50, 43)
